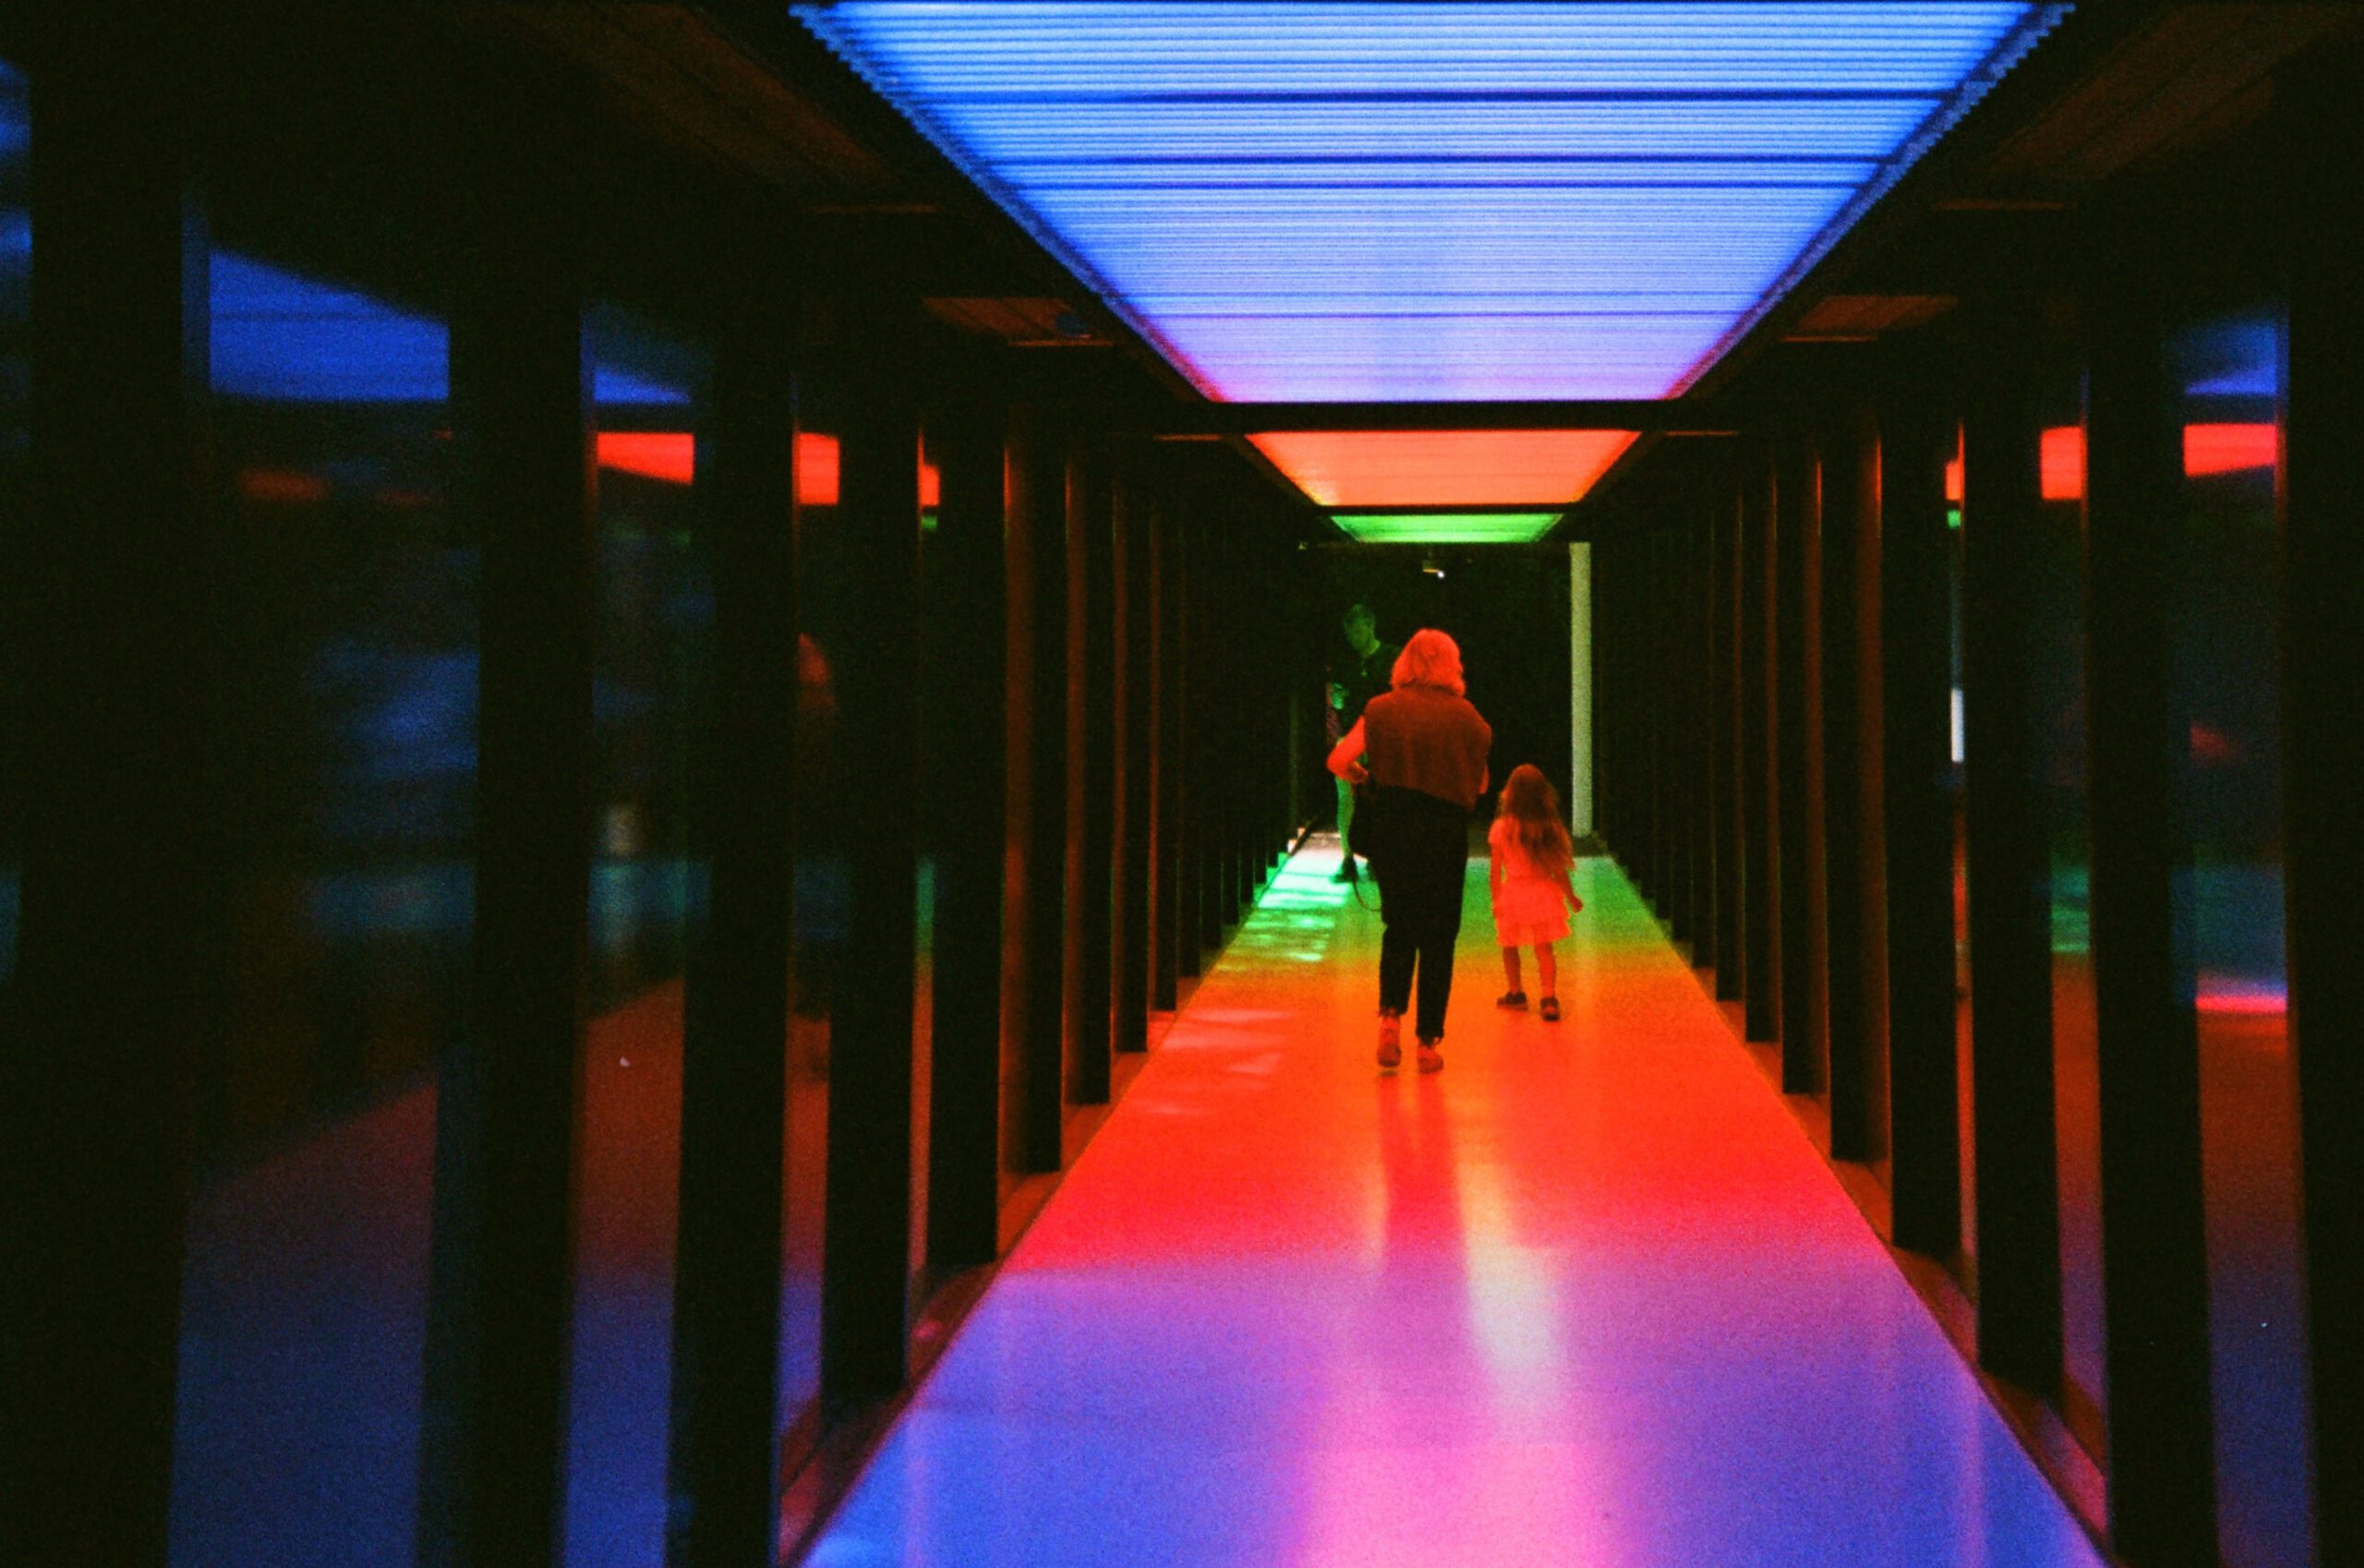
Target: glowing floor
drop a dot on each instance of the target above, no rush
(1585, 1297)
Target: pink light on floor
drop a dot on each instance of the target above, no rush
(1360, 468)
(2229, 449)
(666, 456)
(1528, 1311)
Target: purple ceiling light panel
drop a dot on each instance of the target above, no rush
(1435, 201)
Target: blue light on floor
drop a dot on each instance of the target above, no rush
(1426, 200)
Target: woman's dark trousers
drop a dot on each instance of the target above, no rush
(1420, 879)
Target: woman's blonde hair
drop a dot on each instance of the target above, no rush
(1429, 659)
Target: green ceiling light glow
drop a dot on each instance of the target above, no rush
(1446, 527)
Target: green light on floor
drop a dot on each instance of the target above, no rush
(1953, 517)
(1445, 527)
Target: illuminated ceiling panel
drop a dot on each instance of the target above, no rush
(1373, 468)
(1434, 200)
(1445, 527)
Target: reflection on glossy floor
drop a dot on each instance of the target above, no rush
(1588, 1297)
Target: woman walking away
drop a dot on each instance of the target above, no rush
(1530, 866)
(1421, 750)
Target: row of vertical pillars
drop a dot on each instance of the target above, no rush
(1109, 765)
(1773, 647)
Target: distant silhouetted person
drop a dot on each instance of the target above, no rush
(1529, 867)
(1356, 677)
(1422, 750)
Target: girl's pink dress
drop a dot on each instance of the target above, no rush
(1531, 906)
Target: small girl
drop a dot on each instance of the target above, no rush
(1530, 870)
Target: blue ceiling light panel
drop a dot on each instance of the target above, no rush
(1434, 200)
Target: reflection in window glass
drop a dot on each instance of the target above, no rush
(823, 798)
(652, 680)
(2230, 372)
(2056, 683)
(346, 725)
(1958, 798)
(16, 263)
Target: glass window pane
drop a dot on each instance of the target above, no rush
(647, 903)
(346, 726)
(824, 797)
(2056, 681)
(16, 261)
(2230, 371)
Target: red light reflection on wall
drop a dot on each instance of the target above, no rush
(2228, 449)
(669, 455)
(1357, 468)
(2061, 464)
(816, 469)
(284, 487)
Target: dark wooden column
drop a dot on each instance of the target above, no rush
(734, 1079)
(1924, 1129)
(498, 1343)
(2011, 950)
(2323, 757)
(1851, 481)
(970, 627)
(116, 944)
(1209, 792)
(1172, 924)
(1091, 772)
(866, 1282)
(1760, 784)
(1797, 756)
(1035, 918)
(1188, 555)
(1135, 799)
(2155, 1262)
(1649, 674)
(1666, 726)
(1724, 675)
(1700, 730)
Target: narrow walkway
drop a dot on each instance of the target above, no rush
(1587, 1298)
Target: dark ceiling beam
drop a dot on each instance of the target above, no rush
(1208, 420)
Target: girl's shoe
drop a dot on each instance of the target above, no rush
(1390, 1042)
(1550, 1009)
(1510, 999)
(1429, 1059)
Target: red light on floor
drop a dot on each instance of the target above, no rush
(2061, 464)
(669, 455)
(816, 469)
(282, 487)
(2228, 449)
(930, 486)
(1362, 468)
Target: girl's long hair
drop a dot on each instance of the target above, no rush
(1533, 808)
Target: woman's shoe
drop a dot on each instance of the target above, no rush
(1429, 1060)
(1390, 1042)
(1512, 999)
(1550, 1009)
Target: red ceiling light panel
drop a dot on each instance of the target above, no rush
(1452, 468)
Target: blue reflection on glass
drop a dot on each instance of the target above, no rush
(2230, 367)
(280, 336)
(16, 264)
